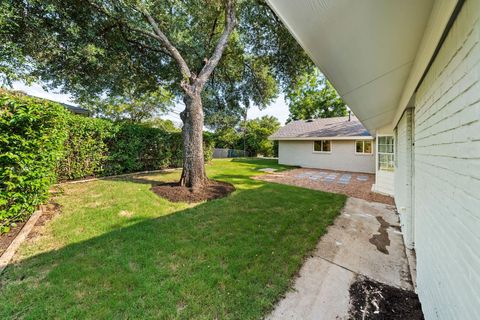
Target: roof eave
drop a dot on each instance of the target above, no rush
(320, 138)
(378, 72)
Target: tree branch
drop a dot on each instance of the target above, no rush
(230, 23)
(162, 38)
(109, 14)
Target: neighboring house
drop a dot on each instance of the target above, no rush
(410, 70)
(76, 110)
(69, 107)
(340, 143)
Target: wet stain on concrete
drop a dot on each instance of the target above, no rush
(381, 239)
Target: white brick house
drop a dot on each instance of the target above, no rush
(410, 70)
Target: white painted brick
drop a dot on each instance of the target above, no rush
(403, 176)
(447, 174)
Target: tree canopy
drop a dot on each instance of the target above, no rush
(132, 106)
(218, 56)
(312, 96)
(258, 131)
(95, 48)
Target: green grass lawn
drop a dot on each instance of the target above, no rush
(118, 251)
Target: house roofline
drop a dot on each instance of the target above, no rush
(440, 21)
(320, 138)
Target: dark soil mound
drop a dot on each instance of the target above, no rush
(176, 193)
(373, 300)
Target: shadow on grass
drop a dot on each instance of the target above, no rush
(138, 179)
(230, 258)
(261, 163)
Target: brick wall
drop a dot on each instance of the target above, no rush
(403, 176)
(447, 175)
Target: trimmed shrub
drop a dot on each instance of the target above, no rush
(85, 149)
(32, 134)
(40, 142)
(136, 147)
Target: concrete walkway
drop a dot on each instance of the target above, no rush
(364, 240)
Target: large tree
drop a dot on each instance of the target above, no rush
(217, 56)
(312, 96)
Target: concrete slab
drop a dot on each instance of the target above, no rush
(364, 240)
(267, 170)
(345, 179)
(362, 178)
(371, 244)
(321, 292)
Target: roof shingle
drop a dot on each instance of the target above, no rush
(339, 127)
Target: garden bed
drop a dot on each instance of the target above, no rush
(7, 238)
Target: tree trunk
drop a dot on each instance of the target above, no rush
(193, 174)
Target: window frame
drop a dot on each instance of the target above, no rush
(378, 153)
(363, 153)
(321, 146)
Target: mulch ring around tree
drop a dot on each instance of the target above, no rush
(373, 300)
(176, 193)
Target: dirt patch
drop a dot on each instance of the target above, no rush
(125, 213)
(359, 185)
(373, 300)
(48, 211)
(176, 193)
(381, 239)
(7, 238)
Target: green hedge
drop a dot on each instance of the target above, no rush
(41, 142)
(32, 134)
(97, 147)
(138, 148)
(85, 150)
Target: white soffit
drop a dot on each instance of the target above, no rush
(365, 48)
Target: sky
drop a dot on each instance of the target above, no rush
(278, 108)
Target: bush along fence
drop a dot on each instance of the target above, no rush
(42, 143)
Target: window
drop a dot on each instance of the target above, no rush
(386, 157)
(363, 146)
(322, 146)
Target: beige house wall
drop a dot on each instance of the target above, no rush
(342, 156)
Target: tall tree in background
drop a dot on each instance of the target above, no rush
(250, 135)
(257, 133)
(215, 55)
(312, 96)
